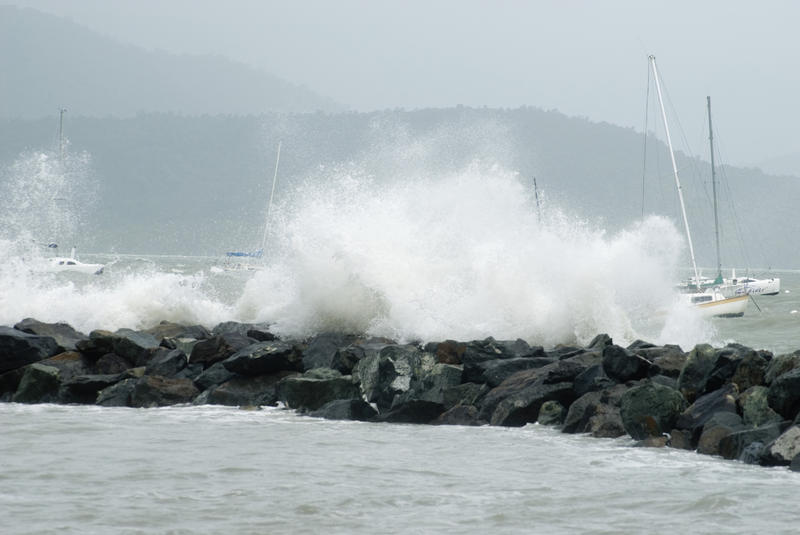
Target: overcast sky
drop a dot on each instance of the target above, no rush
(583, 58)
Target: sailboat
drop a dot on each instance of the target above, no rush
(733, 285)
(233, 263)
(709, 301)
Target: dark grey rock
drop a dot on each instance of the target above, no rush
(667, 360)
(346, 409)
(309, 392)
(781, 364)
(156, 391)
(218, 348)
(493, 372)
(783, 449)
(213, 376)
(18, 349)
(168, 330)
(321, 350)
(135, 346)
(9, 382)
(245, 391)
(794, 466)
(65, 336)
(389, 373)
(460, 415)
(734, 445)
(755, 407)
(650, 410)
(415, 411)
(39, 384)
(85, 388)
(117, 395)
(463, 394)
(622, 365)
(692, 379)
(552, 413)
(265, 357)
(597, 413)
(228, 327)
(698, 413)
(166, 363)
(592, 379)
(719, 426)
(111, 363)
(784, 394)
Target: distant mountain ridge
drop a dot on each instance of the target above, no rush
(50, 62)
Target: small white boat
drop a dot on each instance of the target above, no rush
(70, 263)
(713, 303)
(748, 285)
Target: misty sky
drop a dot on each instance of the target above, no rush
(583, 58)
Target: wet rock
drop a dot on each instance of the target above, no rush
(265, 357)
(111, 363)
(213, 376)
(552, 413)
(698, 413)
(65, 336)
(735, 360)
(389, 373)
(39, 384)
(784, 449)
(69, 364)
(599, 342)
(117, 395)
(135, 346)
(752, 453)
(168, 329)
(18, 349)
(315, 388)
(494, 372)
(692, 379)
(447, 352)
(667, 360)
(650, 410)
(734, 445)
(218, 348)
(622, 365)
(592, 379)
(680, 439)
(244, 391)
(155, 391)
(430, 381)
(9, 382)
(321, 350)
(228, 327)
(415, 411)
(463, 394)
(85, 388)
(781, 364)
(784, 394)
(597, 413)
(719, 426)
(654, 442)
(460, 415)
(755, 407)
(346, 409)
(167, 363)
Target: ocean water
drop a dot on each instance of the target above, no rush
(460, 255)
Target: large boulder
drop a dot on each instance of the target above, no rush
(156, 391)
(321, 350)
(622, 365)
(495, 371)
(692, 379)
(650, 410)
(783, 449)
(135, 346)
(597, 413)
(716, 428)
(784, 394)
(736, 444)
(463, 394)
(431, 381)
(666, 360)
(227, 327)
(111, 363)
(39, 384)
(9, 382)
(315, 388)
(244, 391)
(18, 348)
(118, 394)
(213, 376)
(415, 411)
(592, 379)
(552, 413)
(389, 373)
(265, 357)
(85, 388)
(65, 336)
(781, 364)
(460, 415)
(698, 413)
(346, 409)
(218, 348)
(755, 409)
(737, 364)
(169, 330)
(167, 363)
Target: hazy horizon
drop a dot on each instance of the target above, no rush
(583, 59)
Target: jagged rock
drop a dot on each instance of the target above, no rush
(65, 336)
(9, 382)
(716, 428)
(191, 371)
(783, 449)
(752, 453)
(680, 439)
(755, 407)
(597, 413)
(430, 381)
(494, 372)
(321, 350)
(69, 364)
(218, 348)
(346, 409)
(592, 379)
(447, 352)
(39, 384)
(389, 373)
(415, 411)
(184, 344)
(784, 394)
(734, 445)
(111, 363)
(245, 391)
(99, 343)
(735, 360)
(135, 346)
(650, 410)
(117, 395)
(552, 413)
(698, 413)
(265, 357)
(460, 415)
(85, 388)
(463, 394)
(599, 342)
(18, 349)
(166, 363)
(780, 365)
(667, 360)
(228, 327)
(478, 352)
(213, 376)
(622, 365)
(168, 330)
(523, 407)
(155, 391)
(311, 391)
(692, 379)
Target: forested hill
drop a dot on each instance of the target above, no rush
(49, 62)
(193, 185)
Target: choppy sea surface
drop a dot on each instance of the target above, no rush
(76, 469)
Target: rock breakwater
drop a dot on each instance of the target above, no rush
(735, 402)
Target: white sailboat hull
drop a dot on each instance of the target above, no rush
(714, 304)
(755, 286)
(58, 264)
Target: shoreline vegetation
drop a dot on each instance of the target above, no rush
(734, 402)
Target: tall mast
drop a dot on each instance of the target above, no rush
(714, 186)
(674, 168)
(536, 194)
(61, 111)
(269, 204)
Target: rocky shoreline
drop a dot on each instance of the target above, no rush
(734, 402)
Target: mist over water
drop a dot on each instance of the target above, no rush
(426, 255)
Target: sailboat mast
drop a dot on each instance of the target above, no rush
(674, 168)
(714, 186)
(271, 195)
(536, 195)
(61, 134)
